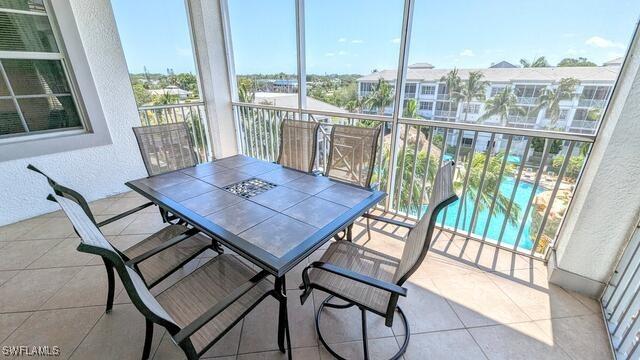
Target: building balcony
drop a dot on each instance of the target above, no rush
(527, 100)
(444, 113)
(592, 103)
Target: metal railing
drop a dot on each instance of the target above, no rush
(597, 103)
(526, 100)
(192, 113)
(442, 96)
(444, 113)
(512, 194)
(621, 302)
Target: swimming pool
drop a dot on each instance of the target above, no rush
(495, 225)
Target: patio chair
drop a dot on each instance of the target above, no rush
(298, 142)
(352, 158)
(371, 280)
(156, 256)
(198, 309)
(165, 148)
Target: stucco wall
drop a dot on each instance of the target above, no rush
(607, 201)
(95, 172)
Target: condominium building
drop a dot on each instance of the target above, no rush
(580, 113)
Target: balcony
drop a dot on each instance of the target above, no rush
(592, 103)
(537, 259)
(523, 100)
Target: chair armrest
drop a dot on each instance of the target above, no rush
(124, 214)
(383, 285)
(236, 294)
(387, 220)
(167, 244)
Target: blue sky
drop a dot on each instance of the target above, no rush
(356, 36)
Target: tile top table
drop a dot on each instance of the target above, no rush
(272, 216)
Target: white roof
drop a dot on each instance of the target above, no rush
(506, 75)
(291, 100)
(170, 90)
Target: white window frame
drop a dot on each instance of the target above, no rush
(426, 105)
(428, 90)
(95, 131)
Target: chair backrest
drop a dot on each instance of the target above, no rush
(165, 147)
(298, 142)
(419, 238)
(352, 155)
(66, 192)
(94, 242)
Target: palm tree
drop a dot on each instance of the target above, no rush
(453, 82)
(381, 97)
(537, 62)
(356, 105)
(411, 109)
(474, 88)
(550, 99)
(503, 104)
(245, 91)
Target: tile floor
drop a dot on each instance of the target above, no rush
(467, 301)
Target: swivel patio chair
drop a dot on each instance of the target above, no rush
(198, 309)
(298, 142)
(165, 148)
(371, 280)
(352, 158)
(156, 256)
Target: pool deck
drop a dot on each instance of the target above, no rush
(467, 301)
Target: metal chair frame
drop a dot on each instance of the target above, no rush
(395, 289)
(73, 195)
(180, 335)
(309, 169)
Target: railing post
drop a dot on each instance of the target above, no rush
(405, 37)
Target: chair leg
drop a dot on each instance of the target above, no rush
(111, 285)
(368, 229)
(349, 234)
(365, 342)
(148, 339)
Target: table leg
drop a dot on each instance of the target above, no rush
(283, 318)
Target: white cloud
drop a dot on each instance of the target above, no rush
(601, 42)
(329, 54)
(357, 41)
(395, 40)
(342, 52)
(614, 55)
(467, 52)
(342, 40)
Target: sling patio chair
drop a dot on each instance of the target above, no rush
(197, 310)
(156, 256)
(298, 142)
(352, 158)
(165, 148)
(371, 280)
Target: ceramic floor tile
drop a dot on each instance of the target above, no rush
(311, 353)
(52, 228)
(43, 329)
(379, 349)
(30, 289)
(453, 345)
(117, 335)
(64, 254)
(10, 322)
(17, 255)
(520, 341)
(582, 337)
(478, 301)
(144, 224)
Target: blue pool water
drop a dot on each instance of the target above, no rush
(495, 225)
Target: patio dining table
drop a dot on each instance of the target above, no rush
(272, 216)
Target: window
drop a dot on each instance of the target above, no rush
(342, 50)
(426, 105)
(495, 90)
(467, 141)
(471, 108)
(36, 94)
(410, 90)
(160, 59)
(427, 89)
(263, 34)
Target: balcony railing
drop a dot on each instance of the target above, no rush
(524, 100)
(191, 113)
(444, 113)
(442, 96)
(522, 121)
(512, 195)
(592, 103)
